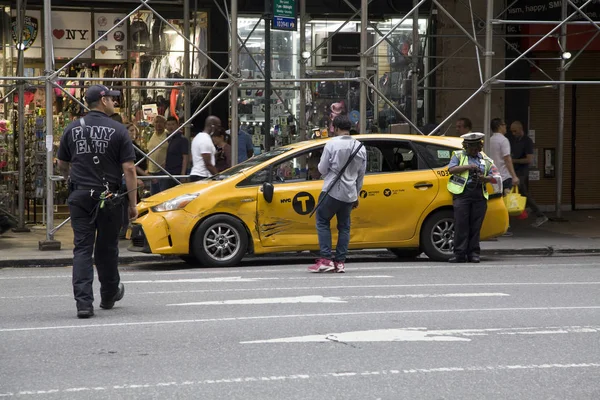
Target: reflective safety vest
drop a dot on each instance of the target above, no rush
(458, 182)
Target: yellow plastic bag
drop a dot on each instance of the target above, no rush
(515, 203)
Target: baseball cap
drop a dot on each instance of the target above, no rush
(96, 92)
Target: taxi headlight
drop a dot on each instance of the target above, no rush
(175, 204)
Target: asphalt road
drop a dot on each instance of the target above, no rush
(509, 328)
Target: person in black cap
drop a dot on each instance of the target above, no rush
(94, 152)
(470, 170)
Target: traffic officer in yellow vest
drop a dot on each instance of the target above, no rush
(470, 170)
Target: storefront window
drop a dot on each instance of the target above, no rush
(336, 60)
(284, 98)
(394, 73)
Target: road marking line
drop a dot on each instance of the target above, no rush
(296, 377)
(238, 279)
(290, 316)
(425, 335)
(340, 287)
(427, 295)
(321, 299)
(274, 300)
(383, 266)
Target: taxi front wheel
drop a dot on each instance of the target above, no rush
(220, 241)
(437, 236)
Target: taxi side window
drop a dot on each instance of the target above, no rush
(385, 156)
(258, 178)
(435, 156)
(302, 167)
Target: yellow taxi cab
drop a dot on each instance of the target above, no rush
(263, 205)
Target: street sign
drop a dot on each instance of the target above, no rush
(284, 15)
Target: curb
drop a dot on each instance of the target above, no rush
(68, 261)
(127, 260)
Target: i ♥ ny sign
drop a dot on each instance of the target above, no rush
(71, 34)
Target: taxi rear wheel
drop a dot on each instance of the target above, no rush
(437, 236)
(220, 241)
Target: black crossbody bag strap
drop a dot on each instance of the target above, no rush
(95, 159)
(339, 175)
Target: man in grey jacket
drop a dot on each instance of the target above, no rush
(342, 196)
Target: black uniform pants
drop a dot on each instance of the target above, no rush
(469, 212)
(99, 239)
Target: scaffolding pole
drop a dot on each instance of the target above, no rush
(186, 70)
(302, 129)
(364, 14)
(21, 90)
(489, 54)
(561, 114)
(235, 65)
(49, 243)
(414, 101)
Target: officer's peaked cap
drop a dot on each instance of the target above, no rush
(473, 137)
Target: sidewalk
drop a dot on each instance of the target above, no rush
(579, 233)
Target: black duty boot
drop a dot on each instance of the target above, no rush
(108, 304)
(474, 258)
(85, 312)
(457, 259)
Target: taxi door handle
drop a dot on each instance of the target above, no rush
(422, 185)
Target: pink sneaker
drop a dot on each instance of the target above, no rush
(322, 265)
(340, 268)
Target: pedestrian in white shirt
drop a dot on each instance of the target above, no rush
(342, 195)
(204, 151)
(500, 153)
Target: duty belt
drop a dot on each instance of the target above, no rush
(99, 188)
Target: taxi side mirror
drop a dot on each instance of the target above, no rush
(268, 189)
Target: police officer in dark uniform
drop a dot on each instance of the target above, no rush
(95, 151)
(470, 170)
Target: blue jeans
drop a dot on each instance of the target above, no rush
(325, 213)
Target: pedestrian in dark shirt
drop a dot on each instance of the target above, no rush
(522, 157)
(178, 154)
(223, 156)
(140, 169)
(94, 153)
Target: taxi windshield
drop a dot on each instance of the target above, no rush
(250, 163)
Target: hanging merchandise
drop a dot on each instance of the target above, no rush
(140, 35)
(176, 102)
(5, 132)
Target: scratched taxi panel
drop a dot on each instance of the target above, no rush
(264, 204)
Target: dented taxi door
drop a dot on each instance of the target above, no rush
(285, 220)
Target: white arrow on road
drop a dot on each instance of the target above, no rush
(425, 335)
(321, 299)
(379, 335)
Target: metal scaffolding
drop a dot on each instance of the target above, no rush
(230, 80)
